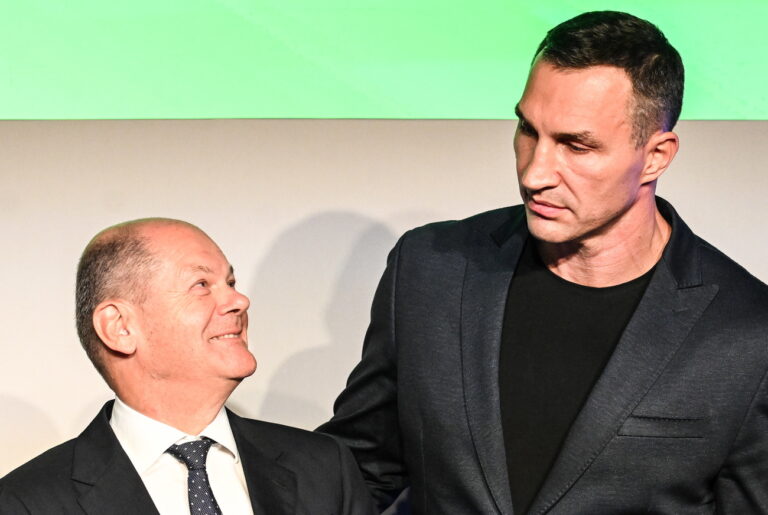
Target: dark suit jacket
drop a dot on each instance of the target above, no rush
(287, 470)
(677, 423)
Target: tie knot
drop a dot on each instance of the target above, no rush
(192, 454)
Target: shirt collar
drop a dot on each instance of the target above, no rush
(220, 432)
(145, 439)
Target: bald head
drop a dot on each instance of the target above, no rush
(116, 263)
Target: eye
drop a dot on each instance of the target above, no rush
(231, 283)
(524, 128)
(202, 283)
(578, 148)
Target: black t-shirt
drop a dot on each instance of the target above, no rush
(556, 340)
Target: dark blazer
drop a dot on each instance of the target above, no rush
(287, 470)
(676, 424)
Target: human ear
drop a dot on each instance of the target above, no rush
(112, 322)
(660, 151)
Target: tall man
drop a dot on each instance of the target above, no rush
(160, 318)
(584, 352)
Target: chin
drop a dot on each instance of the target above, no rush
(549, 231)
(248, 367)
(241, 366)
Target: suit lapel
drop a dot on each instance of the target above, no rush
(486, 283)
(671, 305)
(104, 476)
(108, 483)
(271, 487)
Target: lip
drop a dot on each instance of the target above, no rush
(544, 209)
(228, 336)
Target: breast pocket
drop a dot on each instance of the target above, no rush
(664, 427)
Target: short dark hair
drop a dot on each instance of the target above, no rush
(639, 48)
(114, 264)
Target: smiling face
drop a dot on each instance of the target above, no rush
(580, 172)
(194, 323)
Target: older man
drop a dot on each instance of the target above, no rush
(159, 316)
(584, 352)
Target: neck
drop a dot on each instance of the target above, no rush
(626, 251)
(187, 407)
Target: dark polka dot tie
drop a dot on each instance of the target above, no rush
(193, 455)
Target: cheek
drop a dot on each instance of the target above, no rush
(579, 180)
(595, 177)
(196, 314)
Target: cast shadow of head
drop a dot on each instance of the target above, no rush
(310, 300)
(26, 430)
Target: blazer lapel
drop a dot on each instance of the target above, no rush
(671, 305)
(108, 483)
(105, 477)
(486, 283)
(271, 487)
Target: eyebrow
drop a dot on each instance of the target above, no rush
(584, 137)
(207, 270)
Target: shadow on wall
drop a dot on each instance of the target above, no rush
(26, 430)
(319, 276)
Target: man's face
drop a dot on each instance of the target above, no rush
(577, 165)
(194, 321)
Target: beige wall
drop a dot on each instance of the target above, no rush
(305, 210)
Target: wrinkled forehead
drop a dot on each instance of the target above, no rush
(595, 94)
(597, 79)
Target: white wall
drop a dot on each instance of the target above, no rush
(305, 210)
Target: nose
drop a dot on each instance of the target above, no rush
(537, 167)
(235, 302)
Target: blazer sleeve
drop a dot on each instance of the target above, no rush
(365, 413)
(742, 485)
(356, 498)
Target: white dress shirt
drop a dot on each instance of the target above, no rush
(145, 441)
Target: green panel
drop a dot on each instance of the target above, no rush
(337, 59)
